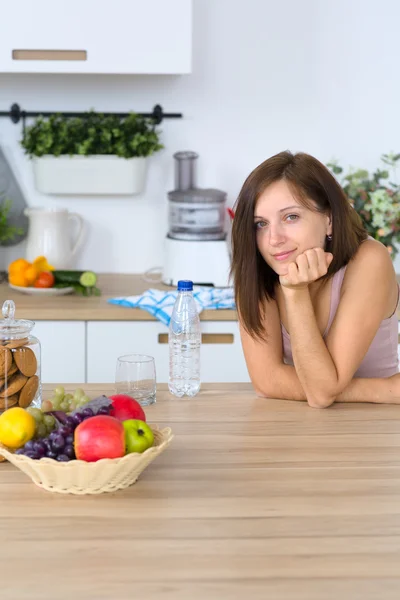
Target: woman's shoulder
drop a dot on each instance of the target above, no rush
(373, 253)
(371, 258)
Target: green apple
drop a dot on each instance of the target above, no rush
(138, 436)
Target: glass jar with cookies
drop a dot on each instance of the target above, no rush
(20, 383)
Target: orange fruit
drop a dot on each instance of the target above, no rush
(30, 275)
(18, 265)
(17, 427)
(18, 278)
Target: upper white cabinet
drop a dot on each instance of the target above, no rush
(85, 36)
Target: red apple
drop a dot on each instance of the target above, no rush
(125, 407)
(99, 437)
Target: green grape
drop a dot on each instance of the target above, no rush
(36, 413)
(49, 421)
(85, 399)
(56, 401)
(72, 406)
(78, 393)
(41, 430)
(60, 391)
(47, 405)
(50, 429)
(64, 406)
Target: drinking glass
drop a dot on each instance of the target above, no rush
(135, 376)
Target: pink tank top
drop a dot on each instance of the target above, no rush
(381, 359)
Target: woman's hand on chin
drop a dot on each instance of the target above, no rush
(307, 268)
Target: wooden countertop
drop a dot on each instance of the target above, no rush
(75, 308)
(253, 499)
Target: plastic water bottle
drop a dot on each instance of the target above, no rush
(184, 343)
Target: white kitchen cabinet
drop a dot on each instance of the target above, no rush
(221, 352)
(63, 350)
(222, 362)
(84, 36)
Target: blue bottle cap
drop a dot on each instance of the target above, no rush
(184, 285)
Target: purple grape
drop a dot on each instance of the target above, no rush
(69, 440)
(70, 422)
(58, 443)
(46, 442)
(86, 412)
(40, 451)
(69, 451)
(62, 458)
(20, 451)
(64, 430)
(51, 454)
(40, 447)
(104, 410)
(29, 446)
(78, 418)
(31, 454)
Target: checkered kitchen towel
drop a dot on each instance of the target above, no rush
(160, 303)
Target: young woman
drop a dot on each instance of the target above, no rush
(316, 296)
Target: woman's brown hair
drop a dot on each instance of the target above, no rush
(254, 280)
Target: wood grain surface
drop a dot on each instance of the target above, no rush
(75, 308)
(255, 498)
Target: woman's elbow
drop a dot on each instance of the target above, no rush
(260, 393)
(320, 401)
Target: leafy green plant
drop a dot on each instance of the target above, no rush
(91, 134)
(7, 232)
(376, 199)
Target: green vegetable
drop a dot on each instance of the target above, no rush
(83, 282)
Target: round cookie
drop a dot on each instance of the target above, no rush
(16, 343)
(28, 392)
(9, 374)
(25, 360)
(5, 361)
(13, 369)
(8, 402)
(16, 382)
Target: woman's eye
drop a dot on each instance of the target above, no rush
(260, 224)
(295, 217)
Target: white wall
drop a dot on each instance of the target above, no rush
(313, 75)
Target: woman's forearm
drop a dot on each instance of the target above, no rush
(375, 390)
(314, 365)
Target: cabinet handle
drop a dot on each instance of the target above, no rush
(206, 338)
(49, 55)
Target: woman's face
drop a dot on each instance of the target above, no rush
(287, 228)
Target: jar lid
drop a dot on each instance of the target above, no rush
(10, 326)
(199, 195)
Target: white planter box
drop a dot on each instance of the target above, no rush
(95, 175)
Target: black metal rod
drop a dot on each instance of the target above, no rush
(16, 114)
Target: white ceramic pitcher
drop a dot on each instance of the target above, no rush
(49, 235)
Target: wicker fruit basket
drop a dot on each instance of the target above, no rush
(79, 477)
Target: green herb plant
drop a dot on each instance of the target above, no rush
(92, 134)
(7, 231)
(376, 199)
